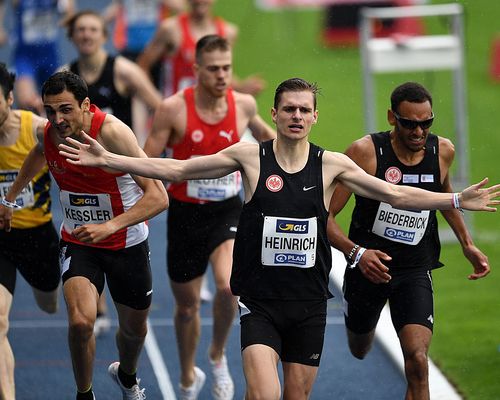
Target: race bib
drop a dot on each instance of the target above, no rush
(26, 198)
(289, 242)
(401, 226)
(215, 189)
(81, 208)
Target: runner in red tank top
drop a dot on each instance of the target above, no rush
(174, 42)
(203, 215)
(104, 237)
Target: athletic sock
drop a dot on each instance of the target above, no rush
(127, 380)
(88, 395)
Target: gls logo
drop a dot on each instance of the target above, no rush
(399, 234)
(83, 200)
(287, 226)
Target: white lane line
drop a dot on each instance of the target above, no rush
(159, 367)
(440, 387)
(159, 322)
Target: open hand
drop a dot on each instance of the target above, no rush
(90, 154)
(477, 198)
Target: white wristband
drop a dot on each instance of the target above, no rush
(456, 202)
(8, 204)
(358, 257)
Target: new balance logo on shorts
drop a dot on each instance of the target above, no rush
(314, 356)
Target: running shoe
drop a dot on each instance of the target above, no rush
(192, 392)
(102, 325)
(134, 393)
(222, 383)
(206, 294)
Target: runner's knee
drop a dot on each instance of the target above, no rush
(416, 365)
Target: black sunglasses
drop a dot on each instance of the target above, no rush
(412, 124)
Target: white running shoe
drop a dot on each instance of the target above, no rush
(206, 295)
(134, 393)
(102, 325)
(222, 386)
(192, 392)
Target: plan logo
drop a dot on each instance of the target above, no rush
(290, 258)
(399, 234)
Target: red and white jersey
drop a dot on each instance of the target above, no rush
(92, 195)
(178, 69)
(202, 138)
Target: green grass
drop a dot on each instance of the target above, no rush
(280, 45)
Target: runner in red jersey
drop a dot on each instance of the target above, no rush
(174, 42)
(203, 214)
(104, 237)
(178, 69)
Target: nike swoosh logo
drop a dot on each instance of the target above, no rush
(149, 292)
(305, 188)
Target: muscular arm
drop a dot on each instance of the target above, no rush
(371, 262)
(118, 137)
(340, 167)
(261, 131)
(455, 218)
(211, 166)
(163, 42)
(162, 130)
(137, 83)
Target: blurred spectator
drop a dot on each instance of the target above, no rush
(35, 51)
(112, 80)
(174, 43)
(135, 24)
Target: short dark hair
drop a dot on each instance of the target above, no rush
(66, 80)
(295, 85)
(7, 80)
(210, 43)
(409, 91)
(70, 23)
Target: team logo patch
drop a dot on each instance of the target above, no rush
(274, 183)
(393, 175)
(197, 136)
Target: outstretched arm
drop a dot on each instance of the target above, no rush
(92, 154)
(476, 197)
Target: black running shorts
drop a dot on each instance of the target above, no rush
(34, 252)
(294, 329)
(194, 231)
(127, 271)
(409, 293)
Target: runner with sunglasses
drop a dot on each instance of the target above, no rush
(391, 252)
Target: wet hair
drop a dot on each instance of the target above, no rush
(71, 22)
(295, 85)
(66, 80)
(210, 43)
(412, 92)
(7, 80)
